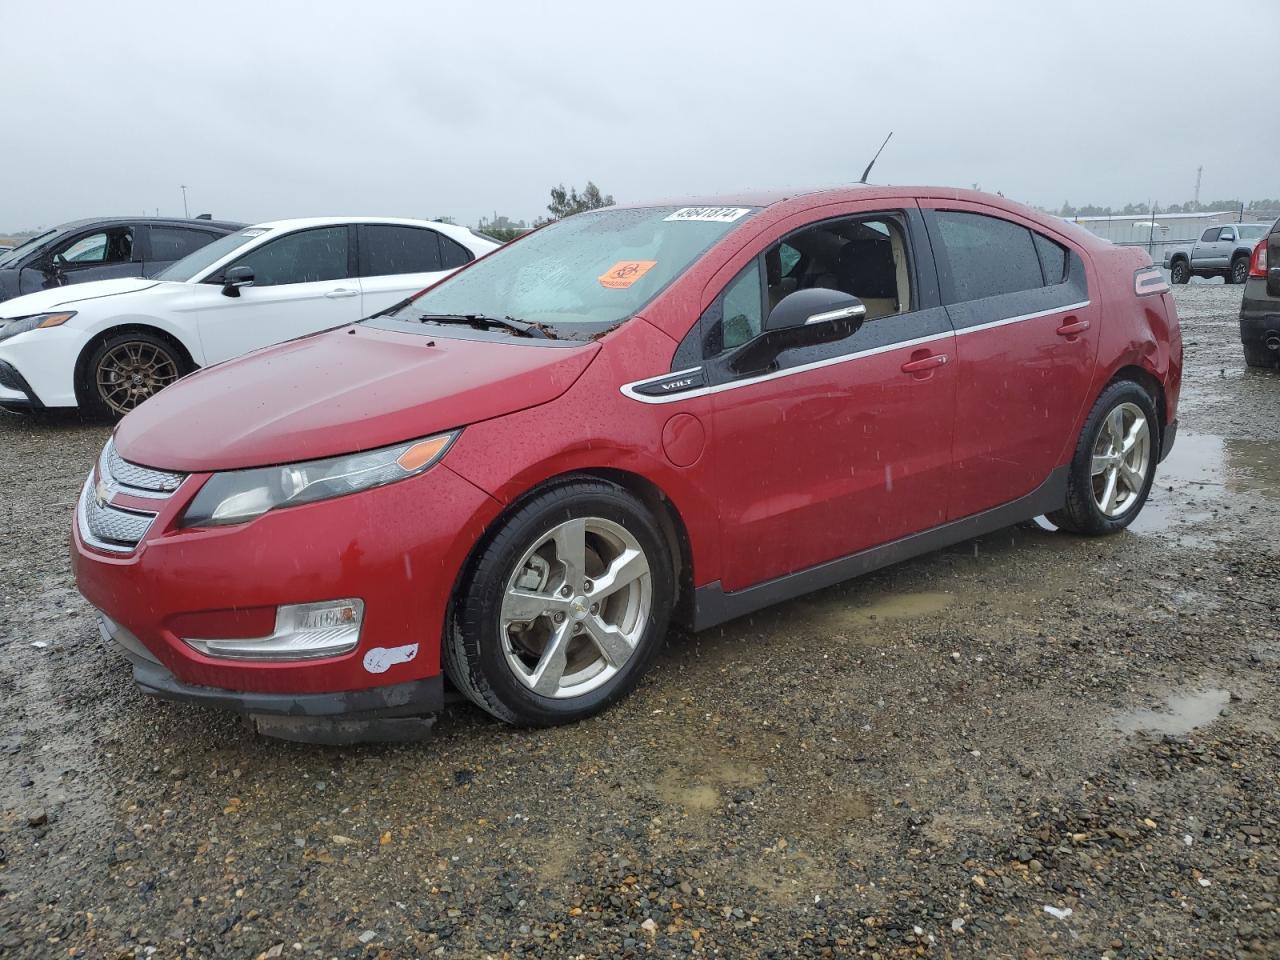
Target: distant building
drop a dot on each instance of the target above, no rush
(1142, 229)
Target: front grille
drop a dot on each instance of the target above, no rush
(136, 480)
(110, 528)
(105, 525)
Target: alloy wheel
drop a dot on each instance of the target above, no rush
(1121, 457)
(133, 371)
(1240, 271)
(576, 607)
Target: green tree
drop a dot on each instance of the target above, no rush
(503, 234)
(565, 203)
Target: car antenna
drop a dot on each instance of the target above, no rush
(867, 172)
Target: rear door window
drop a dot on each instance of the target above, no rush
(988, 256)
(453, 254)
(1053, 259)
(174, 243)
(390, 249)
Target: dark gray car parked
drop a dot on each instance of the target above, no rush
(1260, 308)
(104, 248)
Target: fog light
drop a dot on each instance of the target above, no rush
(304, 631)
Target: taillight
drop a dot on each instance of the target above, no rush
(1148, 281)
(1258, 262)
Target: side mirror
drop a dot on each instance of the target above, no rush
(234, 279)
(56, 267)
(801, 319)
(807, 308)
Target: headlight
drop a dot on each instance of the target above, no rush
(35, 321)
(240, 495)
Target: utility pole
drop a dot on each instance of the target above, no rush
(1199, 171)
(185, 212)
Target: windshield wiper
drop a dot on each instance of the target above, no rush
(482, 321)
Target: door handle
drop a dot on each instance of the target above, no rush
(342, 292)
(1072, 327)
(925, 363)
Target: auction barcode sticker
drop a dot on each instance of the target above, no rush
(710, 214)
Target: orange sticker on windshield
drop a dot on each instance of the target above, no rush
(625, 272)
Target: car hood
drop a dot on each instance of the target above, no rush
(354, 388)
(72, 295)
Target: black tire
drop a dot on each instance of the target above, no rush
(99, 400)
(1179, 272)
(1239, 271)
(472, 650)
(1257, 355)
(1081, 513)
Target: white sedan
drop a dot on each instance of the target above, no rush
(108, 345)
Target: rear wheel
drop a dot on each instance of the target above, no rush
(1114, 463)
(1239, 270)
(564, 608)
(125, 370)
(1179, 272)
(1257, 355)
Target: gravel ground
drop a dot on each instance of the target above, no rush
(1030, 745)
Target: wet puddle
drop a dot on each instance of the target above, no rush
(1204, 478)
(698, 786)
(1181, 713)
(901, 606)
(842, 613)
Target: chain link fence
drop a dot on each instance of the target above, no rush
(1157, 233)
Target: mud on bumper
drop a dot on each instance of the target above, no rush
(396, 713)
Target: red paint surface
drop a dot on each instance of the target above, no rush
(683, 439)
(775, 477)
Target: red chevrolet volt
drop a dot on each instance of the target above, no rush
(518, 477)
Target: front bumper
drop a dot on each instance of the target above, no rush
(14, 389)
(397, 700)
(398, 548)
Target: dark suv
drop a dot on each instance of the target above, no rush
(102, 249)
(1260, 308)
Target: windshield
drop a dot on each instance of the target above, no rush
(1252, 232)
(199, 261)
(22, 249)
(586, 273)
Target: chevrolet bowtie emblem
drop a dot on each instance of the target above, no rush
(101, 493)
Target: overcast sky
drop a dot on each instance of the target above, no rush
(275, 109)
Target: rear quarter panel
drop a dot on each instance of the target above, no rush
(1137, 331)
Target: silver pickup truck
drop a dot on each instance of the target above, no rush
(1220, 252)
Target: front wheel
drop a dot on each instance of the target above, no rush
(125, 370)
(1239, 270)
(1179, 272)
(564, 607)
(1114, 463)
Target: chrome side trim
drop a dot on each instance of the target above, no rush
(630, 389)
(1019, 319)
